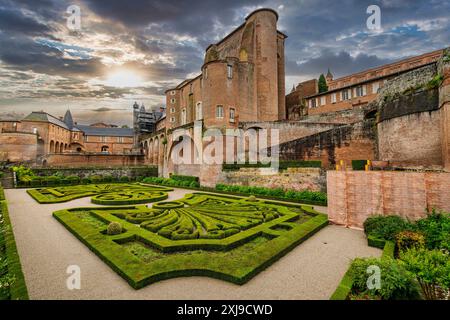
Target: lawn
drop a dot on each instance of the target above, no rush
(225, 237)
(105, 194)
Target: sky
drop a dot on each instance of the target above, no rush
(126, 51)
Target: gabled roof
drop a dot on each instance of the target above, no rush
(41, 116)
(112, 132)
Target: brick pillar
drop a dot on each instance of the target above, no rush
(444, 102)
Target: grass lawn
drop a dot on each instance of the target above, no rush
(225, 237)
(105, 194)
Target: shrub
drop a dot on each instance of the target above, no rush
(386, 227)
(409, 239)
(431, 269)
(85, 181)
(114, 228)
(108, 178)
(194, 184)
(124, 179)
(184, 178)
(436, 228)
(96, 178)
(73, 179)
(396, 282)
(251, 198)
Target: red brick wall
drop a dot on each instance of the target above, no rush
(355, 195)
(81, 160)
(17, 147)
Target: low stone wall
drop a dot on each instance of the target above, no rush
(355, 195)
(99, 160)
(298, 179)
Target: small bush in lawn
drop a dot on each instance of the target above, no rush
(114, 228)
(251, 198)
(396, 282)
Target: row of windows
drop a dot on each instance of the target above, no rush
(105, 139)
(199, 114)
(343, 95)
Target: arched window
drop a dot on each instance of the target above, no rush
(105, 149)
(183, 116)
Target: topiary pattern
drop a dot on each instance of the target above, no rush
(114, 228)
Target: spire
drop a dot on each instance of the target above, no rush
(329, 75)
(293, 88)
(68, 120)
(135, 105)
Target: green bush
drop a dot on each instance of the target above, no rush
(108, 178)
(436, 228)
(431, 269)
(73, 180)
(96, 179)
(184, 178)
(114, 228)
(409, 239)
(396, 282)
(124, 179)
(282, 165)
(85, 181)
(386, 227)
(359, 164)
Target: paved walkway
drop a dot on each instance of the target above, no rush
(310, 271)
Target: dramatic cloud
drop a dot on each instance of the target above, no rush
(130, 51)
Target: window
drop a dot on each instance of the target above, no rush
(198, 111)
(172, 110)
(120, 139)
(232, 112)
(359, 91)
(229, 71)
(312, 103)
(35, 130)
(205, 72)
(375, 87)
(183, 116)
(172, 119)
(172, 100)
(172, 92)
(190, 88)
(323, 100)
(219, 111)
(346, 94)
(103, 139)
(333, 98)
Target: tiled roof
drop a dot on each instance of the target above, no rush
(113, 132)
(45, 117)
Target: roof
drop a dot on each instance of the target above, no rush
(41, 116)
(112, 132)
(68, 120)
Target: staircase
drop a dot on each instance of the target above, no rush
(7, 180)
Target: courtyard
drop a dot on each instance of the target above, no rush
(311, 269)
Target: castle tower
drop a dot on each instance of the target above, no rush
(329, 76)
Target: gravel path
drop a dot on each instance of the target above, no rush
(310, 271)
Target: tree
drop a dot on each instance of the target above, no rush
(322, 84)
(125, 126)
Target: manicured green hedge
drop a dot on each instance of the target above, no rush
(128, 197)
(17, 289)
(185, 178)
(345, 286)
(305, 196)
(282, 165)
(235, 258)
(183, 182)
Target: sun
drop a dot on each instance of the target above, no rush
(123, 79)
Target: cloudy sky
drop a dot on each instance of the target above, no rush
(135, 49)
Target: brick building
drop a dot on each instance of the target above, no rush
(40, 134)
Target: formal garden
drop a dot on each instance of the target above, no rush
(228, 232)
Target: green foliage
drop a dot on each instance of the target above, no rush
(435, 82)
(124, 179)
(409, 239)
(396, 283)
(114, 228)
(359, 164)
(157, 244)
(322, 84)
(305, 196)
(184, 178)
(386, 227)
(432, 270)
(104, 194)
(12, 282)
(184, 181)
(22, 171)
(436, 228)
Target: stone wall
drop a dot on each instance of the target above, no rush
(291, 179)
(18, 147)
(101, 160)
(346, 143)
(355, 195)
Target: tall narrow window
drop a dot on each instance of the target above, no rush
(198, 111)
(219, 111)
(205, 72)
(375, 87)
(183, 116)
(333, 98)
(232, 114)
(229, 71)
(323, 100)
